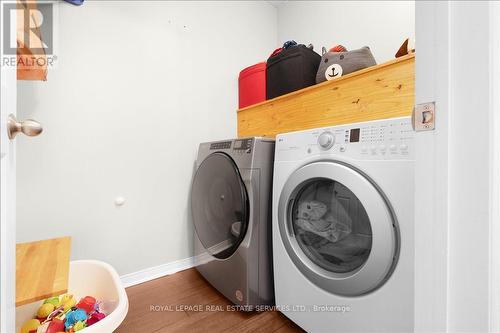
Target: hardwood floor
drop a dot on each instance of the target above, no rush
(185, 302)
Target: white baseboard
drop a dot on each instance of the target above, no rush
(156, 272)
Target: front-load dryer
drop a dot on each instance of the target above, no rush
(343, 240)
(231, 212)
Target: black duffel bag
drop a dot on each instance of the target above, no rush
(291, 69)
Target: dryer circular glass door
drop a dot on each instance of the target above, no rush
(338, 228)
(219, 205)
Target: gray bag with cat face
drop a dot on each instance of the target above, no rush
(336, 64)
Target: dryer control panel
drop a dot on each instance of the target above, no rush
(386, 139)
(220, 145)
(243, 144)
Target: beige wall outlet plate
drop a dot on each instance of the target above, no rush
(424, 117)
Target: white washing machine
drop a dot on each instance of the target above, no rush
(343, 227)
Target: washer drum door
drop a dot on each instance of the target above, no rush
(338, 229)
(219, 205)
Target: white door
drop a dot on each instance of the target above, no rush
(9, 128)
(7, 196)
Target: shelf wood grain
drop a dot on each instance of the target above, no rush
(42, 269)
(379, 92)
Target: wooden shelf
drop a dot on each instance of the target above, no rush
(42, 269)
(379, 92)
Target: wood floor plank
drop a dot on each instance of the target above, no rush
(289, 327)
(185, 302)
(151, 322)
(269, 321)
(205, 322)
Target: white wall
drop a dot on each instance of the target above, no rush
(381, 25)
(137, 87)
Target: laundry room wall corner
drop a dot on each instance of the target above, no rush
(350, 23)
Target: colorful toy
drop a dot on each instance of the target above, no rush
(95, 317)
(68, 301)
(43, 327)
(57, 312)
(52, 300)
(79, 326)
(45, 310)
(87, 303)
(55, 326)
(30, 326)
(65, 298)
(73, 317)
(64, 315)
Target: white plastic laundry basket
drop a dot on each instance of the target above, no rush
(90, 278)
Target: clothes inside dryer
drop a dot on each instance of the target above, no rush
(331, 226)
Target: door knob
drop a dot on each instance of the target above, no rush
(28, 127)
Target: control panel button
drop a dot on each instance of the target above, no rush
(342, 149)
(393, 148)
(220, 145)
(326, 140)
(373, 149)
(403, 147)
